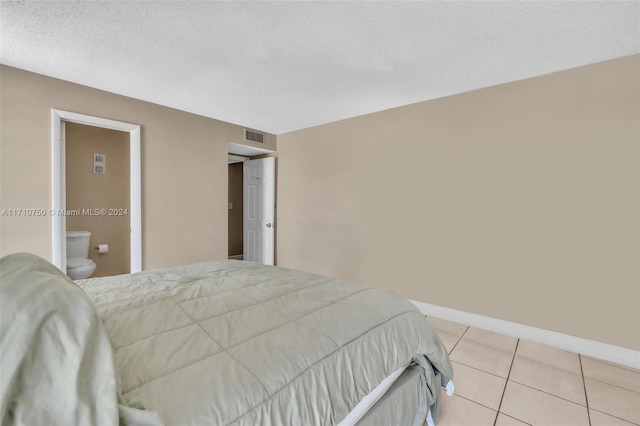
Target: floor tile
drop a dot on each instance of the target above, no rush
(545, 385)
(478, 386)
(612, 363)
(495, 340)
(601, 419)
(538, 408)
(547, 355)
(457, 411)
(608, 373)
(504, 420)
(548, 379)
(448, 326)
(613, 400)
(449, 340)
(482, 357)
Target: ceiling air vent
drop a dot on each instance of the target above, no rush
(250, 135)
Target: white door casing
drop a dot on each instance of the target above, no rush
(259, 210)
(58, 195)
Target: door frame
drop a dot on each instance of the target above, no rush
(58, 184)
(238, 152)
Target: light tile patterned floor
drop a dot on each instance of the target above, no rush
(504, 381)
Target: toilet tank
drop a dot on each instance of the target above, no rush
(78, 244)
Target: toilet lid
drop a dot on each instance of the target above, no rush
(76, 262)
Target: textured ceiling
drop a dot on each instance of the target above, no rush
(281, 66)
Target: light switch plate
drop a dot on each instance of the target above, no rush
(99, 163)
(230, 206)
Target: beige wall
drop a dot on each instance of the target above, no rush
(236, 218)
(184, 168)
(86, 190)
(518, 202)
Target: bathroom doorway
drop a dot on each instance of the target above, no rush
(97, 193)
(58, 213)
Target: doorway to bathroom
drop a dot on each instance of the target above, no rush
(101, 163)
(97, 194)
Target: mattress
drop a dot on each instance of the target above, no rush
(238, 343)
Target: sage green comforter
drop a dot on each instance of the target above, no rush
(56, 364)
(238, 343)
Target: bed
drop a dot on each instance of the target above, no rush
(217, 343)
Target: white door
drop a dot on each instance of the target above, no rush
(259, 208)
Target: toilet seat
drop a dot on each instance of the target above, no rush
(78, 262)
(79, 268)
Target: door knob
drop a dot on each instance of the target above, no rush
(268, 225)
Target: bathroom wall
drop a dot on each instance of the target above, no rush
(87, 190)
(235, 213)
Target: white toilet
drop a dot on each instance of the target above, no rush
(79, 266)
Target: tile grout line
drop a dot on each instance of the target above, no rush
(537, 361)
(480, 370)
(549, 393)
(584, 386)
(506, 383)
(565, 371)
(473, 341)
(448, 332)
(459, 339)
(612, 385)
(614, 416)
(613, 364)
(581, 374)
(477, 403)
(489, 346)
(511, 417)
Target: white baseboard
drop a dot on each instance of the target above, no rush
(604, 351)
